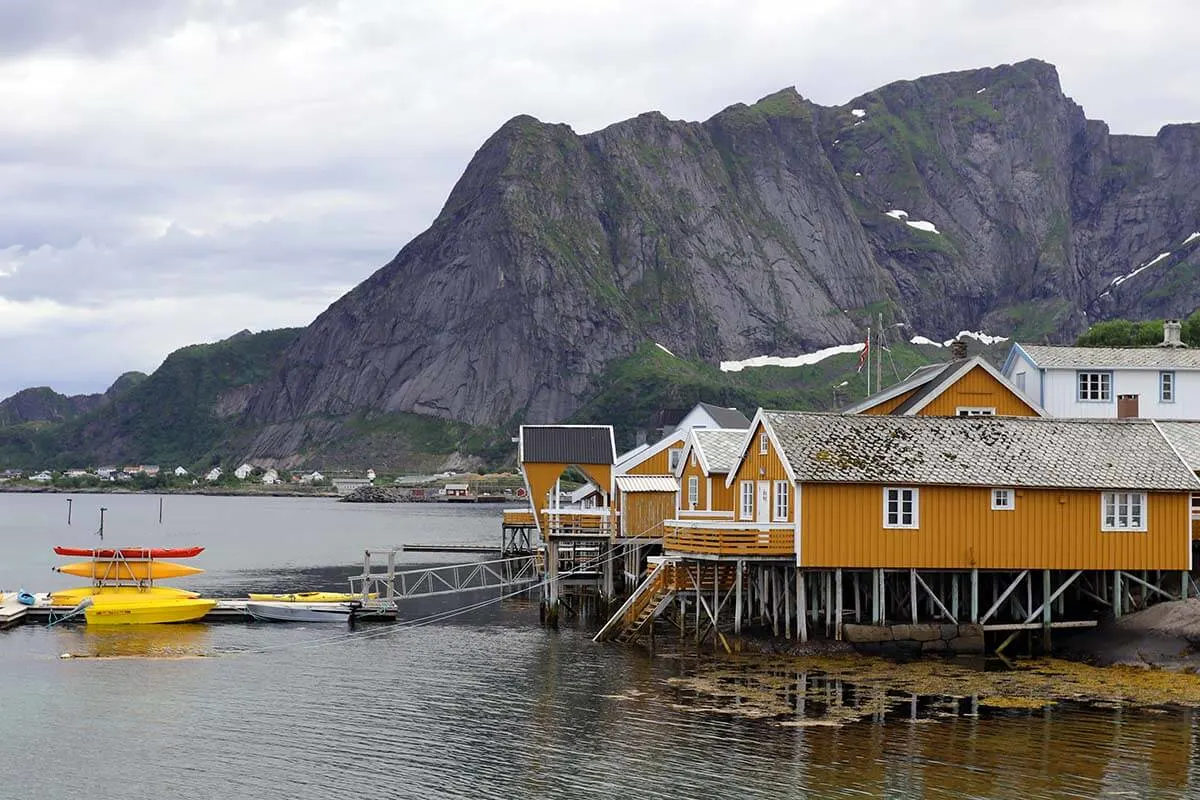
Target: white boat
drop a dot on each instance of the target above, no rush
(277, 611)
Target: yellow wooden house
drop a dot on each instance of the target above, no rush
(1004, 523)
(962, 388)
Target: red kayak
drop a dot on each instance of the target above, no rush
(131, 552)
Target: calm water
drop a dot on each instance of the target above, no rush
(482, 705)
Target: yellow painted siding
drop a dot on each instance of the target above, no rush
(644, 512)
(657, 464)
(692, 470)
(977, 389)
(541, 478)
(888, 406)
(757, 466)
(723, 496)
(842, 526)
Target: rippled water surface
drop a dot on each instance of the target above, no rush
(486, 704)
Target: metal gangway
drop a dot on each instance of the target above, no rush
(388, 585)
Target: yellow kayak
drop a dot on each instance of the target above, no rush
(309, 597)
(118, 610)
(71, 597)
(127, 570)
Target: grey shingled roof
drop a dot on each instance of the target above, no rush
(1052, 357)
(726, 417)
(567, 444)
(720, 448)
(1185, 436)
(980, 451)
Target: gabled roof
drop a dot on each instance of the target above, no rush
(1184, 435)
(1058, 357)
(916, 379)
(979, 451)
(717, 450)
(647, 483)
(638, 455)
(727, 418)
(948, 376)
(567, 444)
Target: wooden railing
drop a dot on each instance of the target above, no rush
(589, 522)
(517, 518)
(726, 540)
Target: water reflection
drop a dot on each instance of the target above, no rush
(181, 640)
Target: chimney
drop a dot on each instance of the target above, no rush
(958, 349)
(1172, 330)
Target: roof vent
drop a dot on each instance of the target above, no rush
(1172, 334)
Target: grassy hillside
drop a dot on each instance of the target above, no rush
(170, 417)
(631, 390)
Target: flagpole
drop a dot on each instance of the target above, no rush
(868, 354)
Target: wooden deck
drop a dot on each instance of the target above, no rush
(714, 538)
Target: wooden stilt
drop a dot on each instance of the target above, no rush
(912, 593)
(737, 597)
(801, 611)
(857, 600)
(1118, 595)
(974, 595)
(837, 611)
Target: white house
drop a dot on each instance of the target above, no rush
(180, 472)
(271, 477)
(42, 477)
(312, 477)
(243, 472)
(1160, 382)
(213, 474)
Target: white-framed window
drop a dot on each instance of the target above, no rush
(764, 443)
(1003, 500)
(1020, 381)
(693, 459)
(693, 492)
(901, 508)
(747, 510)
(1094, 387)
(673, 457)
(782, 495)
(975, 411)
(1123, 511)
(1166, 387)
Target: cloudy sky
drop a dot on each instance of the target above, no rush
(173, 171)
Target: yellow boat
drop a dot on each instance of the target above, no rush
(71, 597)
(309, 597)
(127, 570)
(132, 610)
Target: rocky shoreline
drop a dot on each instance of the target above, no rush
(1165, 636)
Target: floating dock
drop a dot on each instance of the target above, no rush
(13, 613)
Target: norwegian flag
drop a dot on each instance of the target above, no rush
(862, 356)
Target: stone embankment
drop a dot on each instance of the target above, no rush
(384, 494)
(1164, 636)
(911, 640)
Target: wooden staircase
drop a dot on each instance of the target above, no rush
(642, 607)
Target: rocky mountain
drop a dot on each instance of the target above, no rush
(184, 412)
(980, 199)
(43, 404)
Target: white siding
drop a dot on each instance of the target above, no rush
(1033, 386)
(1061, 394)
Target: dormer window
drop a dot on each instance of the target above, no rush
(764, 443)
